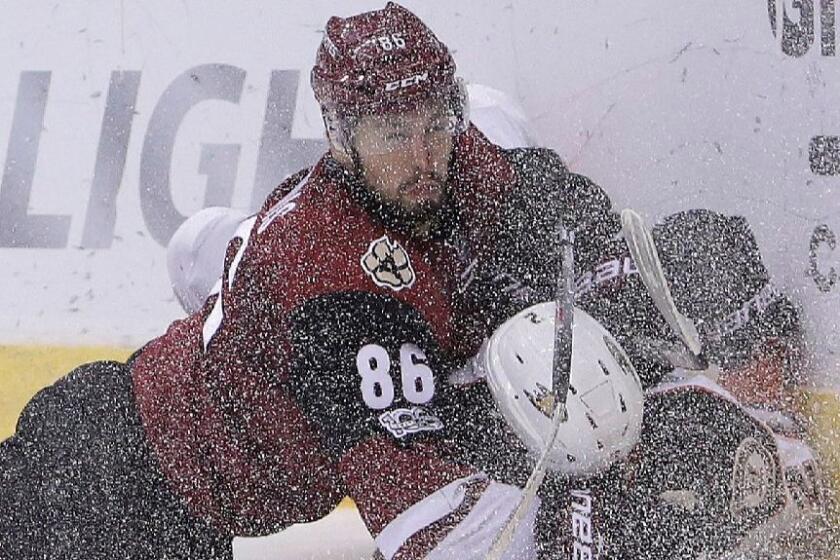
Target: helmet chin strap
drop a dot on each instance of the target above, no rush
(358, 170)
(341, 141)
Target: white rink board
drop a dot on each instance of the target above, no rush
(691, 105)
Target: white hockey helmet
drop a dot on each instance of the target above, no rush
(499, 117)
(195, 255)
(605, 397)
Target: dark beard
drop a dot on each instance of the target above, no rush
(429, 221)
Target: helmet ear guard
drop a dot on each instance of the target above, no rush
(462, 105)
(338, 133)
(605, 401)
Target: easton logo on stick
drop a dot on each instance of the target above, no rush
(387, 263)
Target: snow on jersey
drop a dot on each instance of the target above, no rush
(317, 370)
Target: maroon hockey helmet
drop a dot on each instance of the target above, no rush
(384, 61)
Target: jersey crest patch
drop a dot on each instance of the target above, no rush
(754, 478)
(387, 263)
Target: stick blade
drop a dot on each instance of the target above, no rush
(643, 250)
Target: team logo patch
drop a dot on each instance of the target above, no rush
(542, 399)
(387, 263)
(404, 421)
(754, 478)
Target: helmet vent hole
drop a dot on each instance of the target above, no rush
(603, 367)
(622, 403)
(592, 421)
(571, 458)
(518, 357)
(599, 444)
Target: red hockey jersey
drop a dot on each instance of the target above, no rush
(316, 372)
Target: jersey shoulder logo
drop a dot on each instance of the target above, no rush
(387, 263)
(284, 206)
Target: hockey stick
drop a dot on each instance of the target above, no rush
(560, 374)
(643, 250)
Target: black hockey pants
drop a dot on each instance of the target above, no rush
(78, 481)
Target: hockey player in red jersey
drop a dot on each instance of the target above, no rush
(319, 368)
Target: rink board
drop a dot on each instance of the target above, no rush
(24, 370)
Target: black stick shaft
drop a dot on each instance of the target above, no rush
(563, 316)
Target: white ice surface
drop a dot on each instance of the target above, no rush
(339, 536)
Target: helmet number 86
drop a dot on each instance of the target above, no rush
(391, 42)
(374, 365)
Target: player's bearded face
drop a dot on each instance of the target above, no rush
(405, 158)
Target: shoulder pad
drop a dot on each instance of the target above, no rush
(537, 159)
